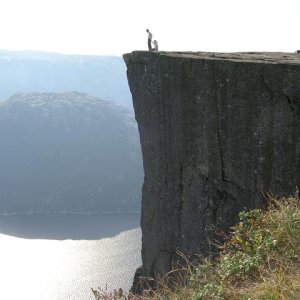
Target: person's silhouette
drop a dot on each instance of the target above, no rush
(149, 39)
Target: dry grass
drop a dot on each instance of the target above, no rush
(260, 260)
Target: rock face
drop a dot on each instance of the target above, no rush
(217, 131)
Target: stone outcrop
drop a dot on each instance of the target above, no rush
(218, 131)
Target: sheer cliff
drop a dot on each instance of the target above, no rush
(217, 131)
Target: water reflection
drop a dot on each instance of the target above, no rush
(47, 269)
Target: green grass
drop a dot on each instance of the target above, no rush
(260, 260)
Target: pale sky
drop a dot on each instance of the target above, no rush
(114, 27)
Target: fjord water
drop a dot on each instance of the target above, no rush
(61, 257)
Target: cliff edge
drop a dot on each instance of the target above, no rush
(217, 130)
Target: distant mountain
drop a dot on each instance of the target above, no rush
(68, 152)
(30, 71)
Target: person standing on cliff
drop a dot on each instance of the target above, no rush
(149, 40)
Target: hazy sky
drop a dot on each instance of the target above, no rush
(118, 26)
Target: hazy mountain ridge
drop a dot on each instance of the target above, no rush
(68, 152)
(31, 71)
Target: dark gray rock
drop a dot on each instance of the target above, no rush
(217, 132)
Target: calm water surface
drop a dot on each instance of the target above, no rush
(60, 257)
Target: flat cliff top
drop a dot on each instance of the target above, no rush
(257, 57)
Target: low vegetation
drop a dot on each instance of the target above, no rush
(259, 260)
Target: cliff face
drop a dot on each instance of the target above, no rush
(217, 131)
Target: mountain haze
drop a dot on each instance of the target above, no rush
(31, 71)
(68, 152)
